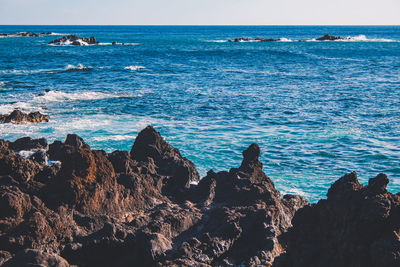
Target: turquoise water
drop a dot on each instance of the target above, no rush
(318, 110)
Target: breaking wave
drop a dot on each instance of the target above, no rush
(134, 68)
(79, 67)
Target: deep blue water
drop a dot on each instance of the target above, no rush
(318, 110)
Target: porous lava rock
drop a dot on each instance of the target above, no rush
(356, 225)
(143, 208)
(18, 116)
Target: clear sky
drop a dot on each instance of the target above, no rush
(201, 12)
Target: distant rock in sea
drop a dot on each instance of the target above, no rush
(26, 34)
(328, 37)
(149, 207)
(18, 116)
(74, 40)
(246, 39)
(80, 41)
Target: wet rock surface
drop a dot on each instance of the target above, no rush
(74, 40)
(18, 116)
(328, 37)
(141, 208)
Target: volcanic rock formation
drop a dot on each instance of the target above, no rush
(328, 37)
(356, 226)
(142, 208)
(74, 40)
(18, 116)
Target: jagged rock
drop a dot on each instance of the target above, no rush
(74, 40)
(138, 208)
(356, 226)
(27, 143)
(18, 116)
(4, 256)
(34, 257)
(179, 170)
(328, 37)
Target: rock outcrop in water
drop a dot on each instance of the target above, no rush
(74, 40)
(26, 34)
(328, 37)
(143, 208)
(18, 116)
(246, 39)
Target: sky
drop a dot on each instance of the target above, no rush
(200, 12)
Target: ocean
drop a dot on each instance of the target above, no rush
(318, 109)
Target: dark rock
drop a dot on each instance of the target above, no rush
(169, 162)
(328, 37)
(74, 40)
(138, 208)
(246, 39)
(27, 143)
(4, 256)
(18, 116)
(29, 34)
(34, 257)
(356, 226)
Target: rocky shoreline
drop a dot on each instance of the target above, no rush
(71, 205)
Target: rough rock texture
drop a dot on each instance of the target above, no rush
(143, 208)
(18, 116)
(137, 208)
(356, 226)
(328, 37)
(74, 40)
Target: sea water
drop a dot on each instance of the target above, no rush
(318, 110)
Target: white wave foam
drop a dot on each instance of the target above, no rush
(217, 41)
(24, 106)
(26, 153)
(285, 40)
(59, 96)
(134, 68)
(358, 38)
(56, 33)
(21, 72)
(363, 38)
(79, 67)
(69, 43)
(250, 41)
(114, 138)
(118, 44)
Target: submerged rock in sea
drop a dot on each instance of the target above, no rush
(74, 40)
(18, 116)
(141, 208)
(328, 37)
(356, 226)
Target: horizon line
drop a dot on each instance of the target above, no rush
(228, 25)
